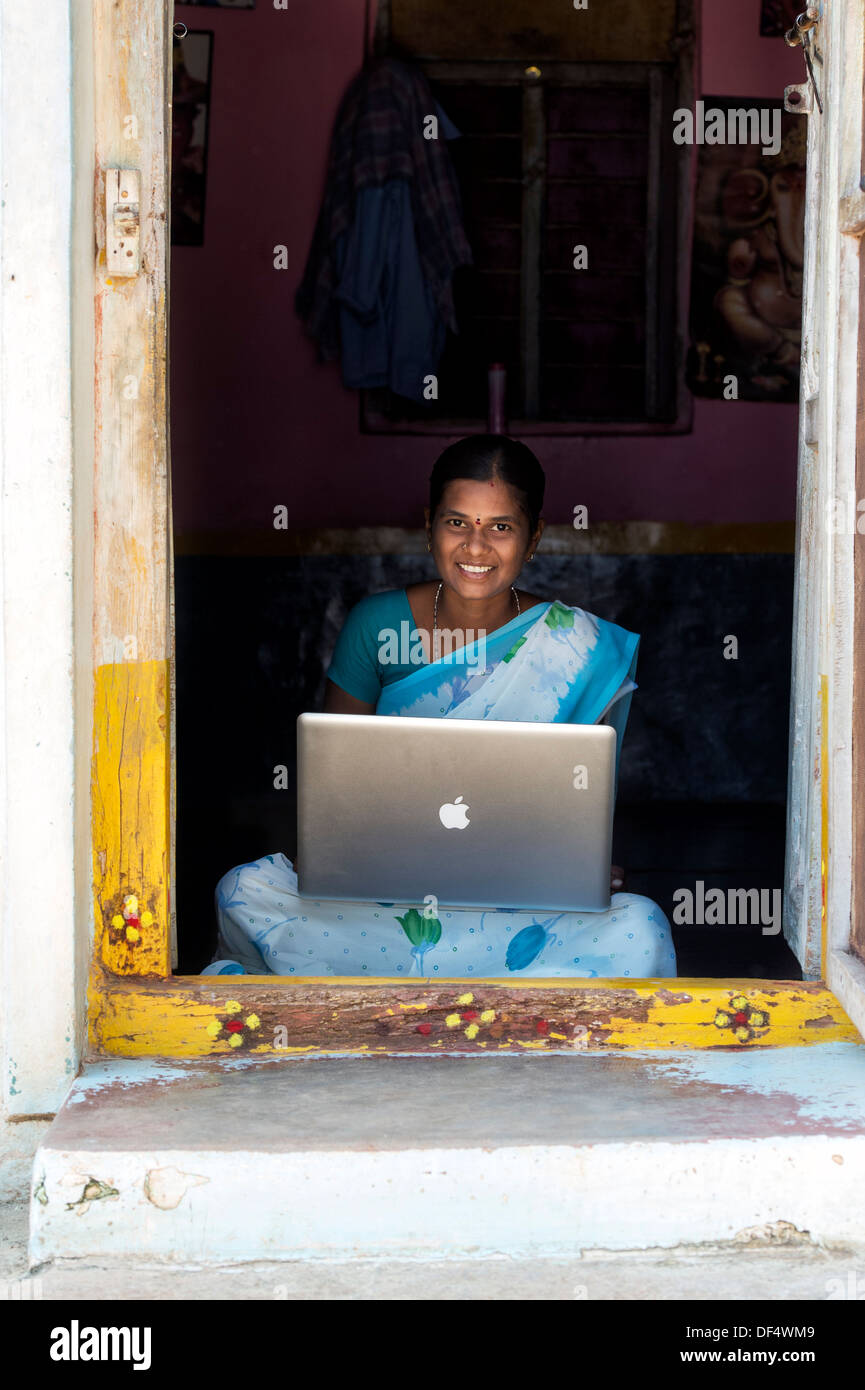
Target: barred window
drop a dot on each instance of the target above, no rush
(572, 193)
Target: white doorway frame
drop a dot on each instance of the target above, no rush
(820, 858)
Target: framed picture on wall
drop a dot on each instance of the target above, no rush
(193, 56)
(746, 281)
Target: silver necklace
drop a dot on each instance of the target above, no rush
(436, 609)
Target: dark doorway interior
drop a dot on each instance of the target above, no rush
(703, 778)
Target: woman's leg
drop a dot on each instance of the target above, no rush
(269, 929)
(242, 907)
(631, 939)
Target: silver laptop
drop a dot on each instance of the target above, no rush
(476, 813)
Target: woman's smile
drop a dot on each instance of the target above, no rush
(480, 537)
(474, 571)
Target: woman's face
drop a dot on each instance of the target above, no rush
(480, 537)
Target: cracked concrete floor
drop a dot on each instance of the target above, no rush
(791, 1270)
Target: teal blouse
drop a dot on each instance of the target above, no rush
(375, 649)
(380, 625)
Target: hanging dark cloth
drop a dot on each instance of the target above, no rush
(379, 138)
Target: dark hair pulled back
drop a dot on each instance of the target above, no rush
(482, 457)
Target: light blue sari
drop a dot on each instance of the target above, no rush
(552, 664)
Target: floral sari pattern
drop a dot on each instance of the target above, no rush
(552, 664)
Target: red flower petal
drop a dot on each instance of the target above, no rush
(424, 1028)
(469, 1015)
(235, 1026)
(541, 1025)
(740, 1018)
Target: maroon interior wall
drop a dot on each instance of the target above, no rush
(257, 421)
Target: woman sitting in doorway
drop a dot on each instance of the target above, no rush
(543, 661)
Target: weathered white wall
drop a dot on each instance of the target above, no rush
(44, 652)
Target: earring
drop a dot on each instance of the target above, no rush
(531, 557)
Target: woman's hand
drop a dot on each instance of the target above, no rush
(617, 878)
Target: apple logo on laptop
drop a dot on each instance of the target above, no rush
(453, 815)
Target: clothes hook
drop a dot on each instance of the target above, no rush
(180, 25)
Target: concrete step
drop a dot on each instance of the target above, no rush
(449, 1157)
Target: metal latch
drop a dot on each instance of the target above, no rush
(123, 221)
(798, 97)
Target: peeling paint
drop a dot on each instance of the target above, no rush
(741, 1138)
(175, 1017)
(130, 752)
(773, 1233)
(93, 1190)
(165, 1188)
(806, 1088)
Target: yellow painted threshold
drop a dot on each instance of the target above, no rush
(217, 1016)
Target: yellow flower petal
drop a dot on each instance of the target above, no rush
(722, 1020)
(740, 1002)
(117, 921)
(133, 934)
(758, 1020)
(465, 998)
(232, 1006)
(452, 1020)
(214, 1028)
(130, 906)
(472, 1030)
(147, 919)
(253, 1021)
(235, 1040)
(488, 1015)
(742, 1034)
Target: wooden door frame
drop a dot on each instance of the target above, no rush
(824, 797)
(136, 1006)
(843, 859)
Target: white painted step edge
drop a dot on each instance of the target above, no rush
(230, 1205)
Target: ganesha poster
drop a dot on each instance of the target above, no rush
(746, 283)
